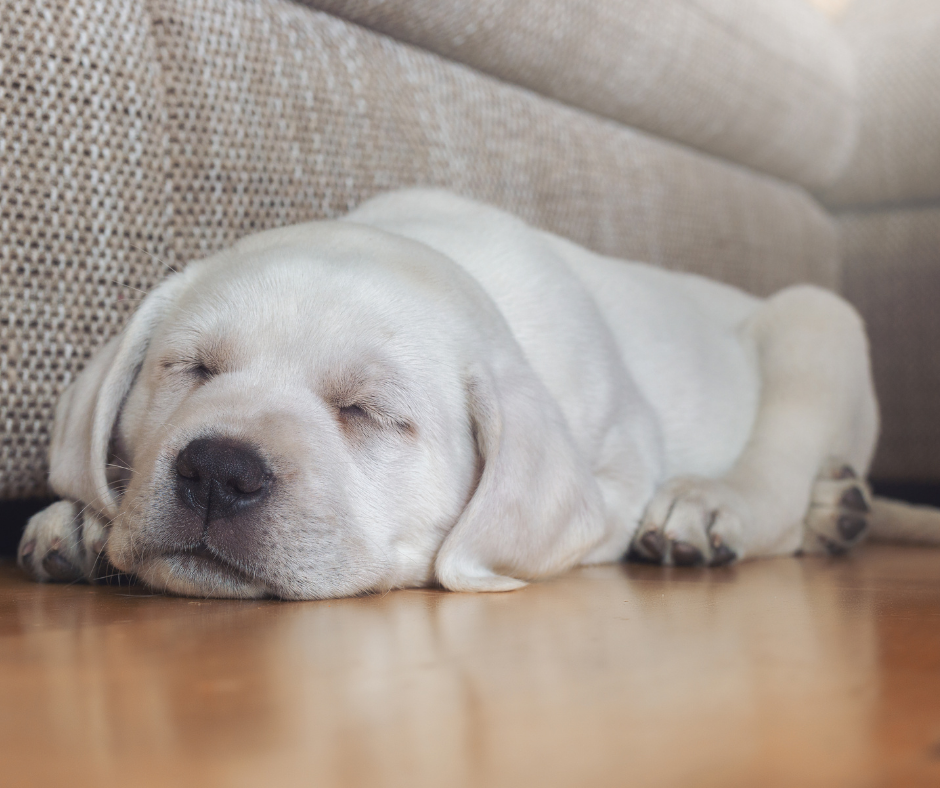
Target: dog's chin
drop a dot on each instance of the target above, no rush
(195, 574)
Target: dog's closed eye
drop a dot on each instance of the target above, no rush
(194, 368)
(201, 371)
(359, 418)
(350, 413)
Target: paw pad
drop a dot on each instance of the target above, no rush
(59, 568)
(838, 514)
(685, 554)
(722, 555)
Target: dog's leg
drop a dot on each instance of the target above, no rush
(64, 543)
(817, 412)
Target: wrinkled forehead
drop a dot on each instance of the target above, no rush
(299, 300)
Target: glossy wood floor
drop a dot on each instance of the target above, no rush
(776, 673)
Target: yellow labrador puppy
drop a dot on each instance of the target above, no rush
(430, 391)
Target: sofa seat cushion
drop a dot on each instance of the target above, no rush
(897, 158)
(766, 84)
(82, 184)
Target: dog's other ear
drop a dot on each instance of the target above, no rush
(88, 409)
(537, 509)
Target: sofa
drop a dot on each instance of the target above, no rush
(758, 142)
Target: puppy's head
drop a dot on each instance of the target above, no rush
(323, 411)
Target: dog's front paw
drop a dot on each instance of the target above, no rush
(691, 521)
(62, 544)
(838, 513)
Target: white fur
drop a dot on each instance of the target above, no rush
(531, 405)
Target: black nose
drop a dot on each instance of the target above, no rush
(218, 477)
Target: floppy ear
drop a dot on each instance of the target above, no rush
(88, 409)
(537, 509)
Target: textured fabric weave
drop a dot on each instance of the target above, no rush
(768, 84)
(892, 274)
(81, 185)
(897, 158)
(178, 126)
(278, 113)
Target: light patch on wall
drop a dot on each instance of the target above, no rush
(831, 8)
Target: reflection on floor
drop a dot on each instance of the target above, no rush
(785, 672)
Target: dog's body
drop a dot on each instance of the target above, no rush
(432, 391)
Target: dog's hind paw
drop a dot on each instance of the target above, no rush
(691, 521)
(63, 544)
(838, 513)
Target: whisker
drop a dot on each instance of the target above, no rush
(129, 287)
(162, 262)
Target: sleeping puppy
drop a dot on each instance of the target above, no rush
(430, 391)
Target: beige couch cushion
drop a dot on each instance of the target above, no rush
(320, 114)
(891, 274)
(768, 84)
(81, 179)
(897, 159)
(204, 120)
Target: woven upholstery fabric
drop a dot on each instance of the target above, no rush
(768, 84)
(81, 185)
(897, 158)
(892, 260)
(179, 126)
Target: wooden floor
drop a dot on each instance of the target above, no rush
(777, 673)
